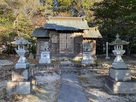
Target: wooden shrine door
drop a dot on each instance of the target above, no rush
(66, 43)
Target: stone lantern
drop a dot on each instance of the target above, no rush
(119, 79)
(20, 74)
(21, 51)
(118, 52)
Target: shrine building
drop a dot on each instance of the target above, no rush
(65, 36)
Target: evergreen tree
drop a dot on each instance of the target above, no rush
(116, 17)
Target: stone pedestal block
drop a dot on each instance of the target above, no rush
(120, 87)
(18, 87)
(87, 58)
(21, 65)
(20, 75)
(119, 65)
(45, 58)
(66, 63)
(120, 74)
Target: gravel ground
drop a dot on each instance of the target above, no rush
(92, 82)
(45, 88)
(93, 85)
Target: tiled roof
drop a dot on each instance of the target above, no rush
(118, 41)
(40, 32)
(66, 23)
(92, 33)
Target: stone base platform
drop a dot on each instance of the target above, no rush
(87, 62)
(20, 75)
(120, 74)
(66, 63)
(18, 87)
(120, 87)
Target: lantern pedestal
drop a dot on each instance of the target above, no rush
(21, 65)
(120, 87)
(14, 87)
(119, 80)
(120, 74)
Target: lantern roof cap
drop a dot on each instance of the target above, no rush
(118, 41)
(21, 41)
